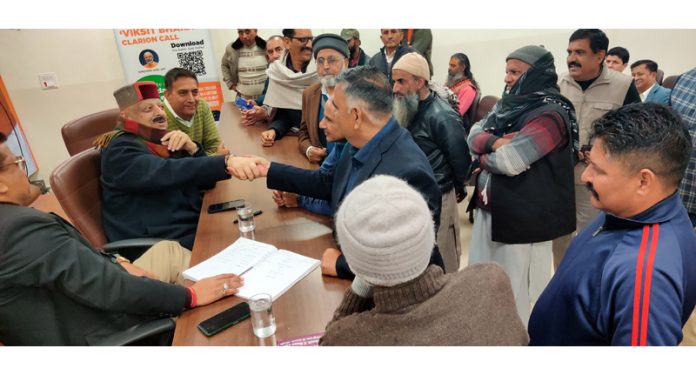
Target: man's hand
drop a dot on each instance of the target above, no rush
(268, 137)
(500, 142)
(316, 154)
(285, 199)
(289, 199)
(211, 289)
(328, 261)
(254, 115)
(278, 198)
(243, 168)
(222, 150)
(177, 140)
(137, 271)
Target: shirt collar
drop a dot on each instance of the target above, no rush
(181, 120)
(646, 92)
(364, 154)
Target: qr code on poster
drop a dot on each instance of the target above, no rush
(192, 61)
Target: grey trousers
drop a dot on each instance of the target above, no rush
(448, 239)
(527, 265)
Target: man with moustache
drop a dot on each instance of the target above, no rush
(288, 78)
(461, 81)
(644, 74)
(392, 51)
(628, 278)
(188, 112)
(438, 130)
(331, 55)
(151, 178)
(149, 58)
(358, 57)
(361, 111)
(524, 192)
(594, 90)
(56, 289)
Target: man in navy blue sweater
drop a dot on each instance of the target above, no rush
(629, 278)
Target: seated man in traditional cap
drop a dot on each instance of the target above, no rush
(151, 178)
(387, 233)
(56, 289)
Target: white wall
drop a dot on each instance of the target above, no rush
(89, 69)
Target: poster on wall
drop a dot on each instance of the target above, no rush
(10, 126)
(147, 55)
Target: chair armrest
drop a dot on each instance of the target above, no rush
(132, 248)
(139, 332)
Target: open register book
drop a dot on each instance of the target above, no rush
(265, 268)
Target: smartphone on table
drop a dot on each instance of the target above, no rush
(226, 206)
(225, 319)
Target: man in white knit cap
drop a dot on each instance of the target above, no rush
(387, 233)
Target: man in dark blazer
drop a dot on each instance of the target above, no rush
(361, 108)
(55, 289)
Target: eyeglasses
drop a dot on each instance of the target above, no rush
(303, 40)
(332, 60)
(21, 163)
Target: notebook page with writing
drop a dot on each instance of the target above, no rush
(276, 274)
(236, 258)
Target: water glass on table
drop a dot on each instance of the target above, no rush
(262, 319)
(245, 216)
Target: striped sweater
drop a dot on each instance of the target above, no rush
(622, 282)
(203, 131)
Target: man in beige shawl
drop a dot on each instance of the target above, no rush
(287, 78)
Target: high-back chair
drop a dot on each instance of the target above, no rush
(77, 187)
(79, 134)
(670, 81)
(484, 106)
(659, 76)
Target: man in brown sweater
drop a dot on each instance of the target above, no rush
(386, 232)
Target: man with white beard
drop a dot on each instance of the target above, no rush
(438, 130)
(331, 55)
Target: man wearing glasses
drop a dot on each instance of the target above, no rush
(55, 289)
(331, 54)
(627, 278)
(288, 77)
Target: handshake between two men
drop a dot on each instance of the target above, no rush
(247, 167)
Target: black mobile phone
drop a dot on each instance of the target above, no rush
(225, 319)
(225, 206)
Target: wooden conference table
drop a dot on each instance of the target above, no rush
(305, 308)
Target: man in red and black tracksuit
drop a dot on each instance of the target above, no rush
(629, 278)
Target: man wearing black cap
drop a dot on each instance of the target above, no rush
(524, 193)
(358, 57)
(331, 55)
(151, 178)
